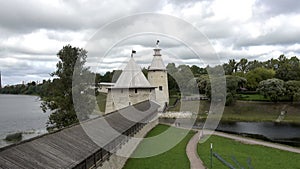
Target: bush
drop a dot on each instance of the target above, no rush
(14, 137)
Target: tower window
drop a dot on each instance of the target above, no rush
(160, 87)
(135, 90)
(121, 90)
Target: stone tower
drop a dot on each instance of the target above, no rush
(158, 77)
(131, 88)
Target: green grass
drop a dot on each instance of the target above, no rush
(175, 158)
(261, 157)
(252, 97)
(101, 100)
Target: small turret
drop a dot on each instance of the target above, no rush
(158, 77)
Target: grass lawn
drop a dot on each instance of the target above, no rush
(261, 157)
(101, 100)
(253, 97)
(175, 158)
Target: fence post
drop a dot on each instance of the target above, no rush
(211, 154)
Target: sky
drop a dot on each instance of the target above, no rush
(32, 32)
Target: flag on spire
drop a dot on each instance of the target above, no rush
(133, 52)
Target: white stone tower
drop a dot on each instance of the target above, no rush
(131, 88)
(158, 77)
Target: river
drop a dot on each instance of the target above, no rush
(21, 113)
(275, 132)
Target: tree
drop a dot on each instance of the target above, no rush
(59, 97)
(197, 71)
(288, 69)
(203, 81)
(172, 84)
(184, 78)
(230, 67)
(232, 84)
(293, 89)
(233, 65)
(272, 88)
(254, 64)
(271, 64)
(257, 75)
(242, 65)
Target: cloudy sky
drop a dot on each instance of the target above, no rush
(33, 31)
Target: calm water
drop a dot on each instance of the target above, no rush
(282, 133)
(273, 131)
(21, 113)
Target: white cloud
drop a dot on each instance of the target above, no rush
(232, 10)
(32, 32)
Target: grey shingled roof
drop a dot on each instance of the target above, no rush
(132, 77)
(157, 62)
(68, 147)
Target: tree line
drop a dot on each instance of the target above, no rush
(275, 78)
(31, 88)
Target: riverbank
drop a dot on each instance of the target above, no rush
(249, 111)
(268, 131)
(21, 114)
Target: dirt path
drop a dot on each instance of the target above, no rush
(191, 151)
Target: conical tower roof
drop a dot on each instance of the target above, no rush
(132, 77)
(157, 62)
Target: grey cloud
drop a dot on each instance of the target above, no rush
(276, 7)
(69, 15)
(62, 21)
(284, 36)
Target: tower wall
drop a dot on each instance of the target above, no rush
(121, 98)
(159, 79)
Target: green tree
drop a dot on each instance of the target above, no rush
(288, 69)
(257, 75)
(242, 65)
(172, 84)
(230, 67)
(184, 78)
(293, 89)
(271, 64)
(59, 98)
(233, 83)
(254, 64)
(203, 81)
(197, 71)
(272, 88)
